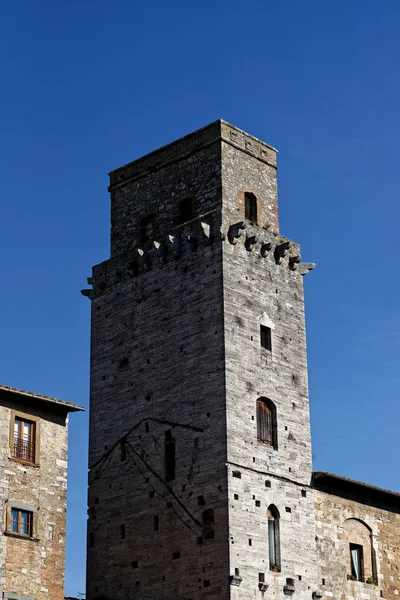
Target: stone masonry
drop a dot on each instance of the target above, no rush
(200, 481)
(33, 483)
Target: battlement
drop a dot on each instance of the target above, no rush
(186, 240)
(189, 144)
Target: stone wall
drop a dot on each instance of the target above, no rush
(344, 520)
(35, 567)
(157, 370)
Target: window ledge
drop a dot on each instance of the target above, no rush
(26, 463)
(21, 536)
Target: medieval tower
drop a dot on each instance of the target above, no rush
(200, 450)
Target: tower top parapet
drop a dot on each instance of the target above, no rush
(219, 130)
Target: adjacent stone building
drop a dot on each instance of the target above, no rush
(33, 472)
(201, 481)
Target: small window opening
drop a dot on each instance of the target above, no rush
(176, 555)
(122, 532)
(237, 572)
(208, 524)
(91, 540)
(265, 337)
(274, 539)
(21, 522)
(250, 202)
(185, 210)
(156, 523)
(261, 577)
(147, 229)
(266, 422)
(169, 456)
(357, 566)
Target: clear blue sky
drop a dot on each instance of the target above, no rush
(89, 86)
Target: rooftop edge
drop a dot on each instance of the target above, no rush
(70, 406)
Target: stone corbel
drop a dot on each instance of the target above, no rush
(161, 250)
(304, 268)
(87, 293)
(317, 594)
(235, 580)
(251, 241)
(144, 257)
(289, 588)
(206, 229)
(294, 262)
(176, 245)
(281, 251)
(236, 231)
(263, 586)
(265, 248)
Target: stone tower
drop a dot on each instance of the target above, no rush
(200, 452)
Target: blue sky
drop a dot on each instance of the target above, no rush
(89, 86)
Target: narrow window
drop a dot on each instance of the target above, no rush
(266, 422)
(250, 210)
(24, 440)
(169, 456)
(122, 532)
(21, 522)
(356, 556)
(273, 539)
(185, 210)
(147, 229)
(265, 337)
(208, 524)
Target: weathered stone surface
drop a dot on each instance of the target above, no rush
(176, 357)
(33, 566)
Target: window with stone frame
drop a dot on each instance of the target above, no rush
(360, 556)
(357, 562)
(21, 522)
(274, 548)
(265, 337)
(23, 444)
(266, 422)
(250, 207)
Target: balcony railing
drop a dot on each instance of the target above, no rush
(24, 449)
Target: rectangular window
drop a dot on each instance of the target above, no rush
(356, 557)
(24, 440)
(265, 337)
(185, 210)
(21, 522)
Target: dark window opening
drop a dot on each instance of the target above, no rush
(266, 422)
(357, 563)
(122, 532)
(176, 555)
(147, 229)
(24, 440)
(169, 456)
(91, 540)
(274, 539)
(21, 522)
(208, 524)
(265, 337)
(156, 523)
(261, 577)
(250, 210)
(185, 210)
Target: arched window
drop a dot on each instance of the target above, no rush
(361, 564)
(250, 207)
(208, 524)
(266, 422)
(273, 539)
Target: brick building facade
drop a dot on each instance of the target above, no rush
(201, 481)
(33, 471)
